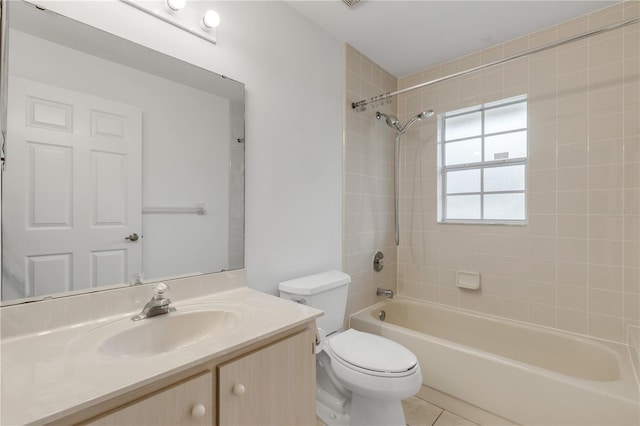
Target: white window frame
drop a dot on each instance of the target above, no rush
(481, 165)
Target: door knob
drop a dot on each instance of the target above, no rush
(132, 237)
(239, 389)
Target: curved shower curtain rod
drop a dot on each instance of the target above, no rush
(386, 97)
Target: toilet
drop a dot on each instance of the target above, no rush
(361, 378)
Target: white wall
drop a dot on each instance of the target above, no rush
(293, 76)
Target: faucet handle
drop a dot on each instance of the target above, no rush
(159, 289)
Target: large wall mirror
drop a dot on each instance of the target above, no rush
(121, 162)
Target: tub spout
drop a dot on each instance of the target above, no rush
(384, 292)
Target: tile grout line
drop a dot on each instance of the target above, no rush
(439, 415)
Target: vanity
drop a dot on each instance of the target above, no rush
(254, 362)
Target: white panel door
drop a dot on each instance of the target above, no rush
(72, 191)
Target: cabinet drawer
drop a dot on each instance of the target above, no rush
(187, 403)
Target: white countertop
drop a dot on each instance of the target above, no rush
(50, 374)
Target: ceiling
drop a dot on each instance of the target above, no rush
(407, 36)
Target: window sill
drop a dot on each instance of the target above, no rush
(484, 222)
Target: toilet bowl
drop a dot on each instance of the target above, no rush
(361, 378)
(373, 373)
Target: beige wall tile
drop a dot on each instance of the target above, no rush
(543, 37)
(492, 54)
(631, 9)
(605, 302)
(516, 73)
(573, 131)
(603, 202)
(606, 152)
(606, 227)
(573, 250)
(631, 280)
(606, 76)
(542, 202)
(631, 254)
(573, 59)
(573, 202)
(573, 273)
(606, 252)
(605, 49)
(606, 16)
(631, 307)
(606, 327)
(606, 277)
(573, 179)
(573, 297)
(573, 155)
(573, 321)
(609, 100)
(631, 122)
(542, 314)
(573, 226)
(606, 127)
(607, 176)
(632, 175)
(516, 310)
(575, 265)
(516, 46)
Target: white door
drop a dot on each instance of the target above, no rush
(72, 191)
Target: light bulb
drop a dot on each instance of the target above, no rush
(176, 5)
(211, 19)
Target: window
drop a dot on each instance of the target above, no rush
(482, 163)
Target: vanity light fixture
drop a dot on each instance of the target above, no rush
(179, 14)
(176, 5)
(210, 20)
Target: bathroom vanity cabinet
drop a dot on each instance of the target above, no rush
(271, 382)
(248, 359)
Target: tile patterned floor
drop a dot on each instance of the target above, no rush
(422, 413)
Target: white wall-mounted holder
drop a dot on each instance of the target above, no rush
(179, 14)
(468, 280)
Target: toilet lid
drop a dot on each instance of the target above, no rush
(371, 352)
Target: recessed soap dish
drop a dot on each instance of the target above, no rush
(468, 280)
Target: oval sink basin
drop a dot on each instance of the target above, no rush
(167, 332)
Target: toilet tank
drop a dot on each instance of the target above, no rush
(326, 291)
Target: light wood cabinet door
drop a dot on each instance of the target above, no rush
(187, 403)
(272, 386)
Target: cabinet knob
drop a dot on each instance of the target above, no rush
(239, 389)
(198, 410)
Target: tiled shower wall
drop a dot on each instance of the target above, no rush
(368, 180)
(576, 264)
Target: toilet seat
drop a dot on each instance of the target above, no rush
(372, 366)
(371, 354)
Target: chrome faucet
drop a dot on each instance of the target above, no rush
(158, 305)
(384, 292)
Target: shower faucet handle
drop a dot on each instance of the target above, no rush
(378, 261)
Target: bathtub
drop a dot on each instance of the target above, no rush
(519, 372)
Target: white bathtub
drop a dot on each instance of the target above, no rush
(529, 375)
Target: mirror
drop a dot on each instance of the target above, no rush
(121, 162)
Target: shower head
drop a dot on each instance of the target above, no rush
(425, 114)
(393, 122)
(420, 116)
